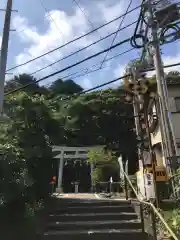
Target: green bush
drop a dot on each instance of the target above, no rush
(105, 165)
(172, 218)
(32, 208)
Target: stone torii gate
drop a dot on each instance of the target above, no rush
(65, 153)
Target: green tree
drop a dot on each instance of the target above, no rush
(60, 88)
(25, 79)
(13, 171)
(105, 165)
(37, 121)
(100, 117)
(28, 136)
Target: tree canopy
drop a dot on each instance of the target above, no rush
(38, 118)
(68, 87)
(105, 165)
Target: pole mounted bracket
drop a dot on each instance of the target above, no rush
(4, 10)
(167, 15)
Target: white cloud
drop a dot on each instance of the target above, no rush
(168, 60)
(86, 83)
(70, 26)
(29, 34)
(114, 11)
(62, 28)
(150, 74)
(110, 12)
(119, 72)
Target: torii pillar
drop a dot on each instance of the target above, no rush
(60, 175)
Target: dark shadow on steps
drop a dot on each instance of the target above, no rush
(93, 219)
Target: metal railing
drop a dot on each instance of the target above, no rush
(154, 213)
(107, 187)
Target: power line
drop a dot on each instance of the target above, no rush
(86, 72)
(81, 49)
(114, 38)
(73, 40)
(92, 25)
(112, 81)
(96, 87)
(71, 66)
(172, 65)
(50, 17)
(23, 29)
(99, 86)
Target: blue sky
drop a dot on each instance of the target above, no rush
(38, 31)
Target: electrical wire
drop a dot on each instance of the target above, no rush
(145, 50)
(81, 49)
(86, 71)
(166, 66)
(96, 87)
(71, 66)
(162, 37)
(139, 35)
(102, 85)
(50, 17)
(78, 5)
(120, 25)
(75, 39)
(93, 88)
(175, 35)
(112, 81)
(23, 29)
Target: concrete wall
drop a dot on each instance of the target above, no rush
(173, 92)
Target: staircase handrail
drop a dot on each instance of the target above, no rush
(152, 207)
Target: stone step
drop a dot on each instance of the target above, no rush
(92, 202)
(91, 216)
(88, 225)
(93, 209)
(104, 234)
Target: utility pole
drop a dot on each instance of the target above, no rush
(166, 126)
(4, 51)
(161, 86)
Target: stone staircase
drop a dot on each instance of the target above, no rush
(78, 219)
